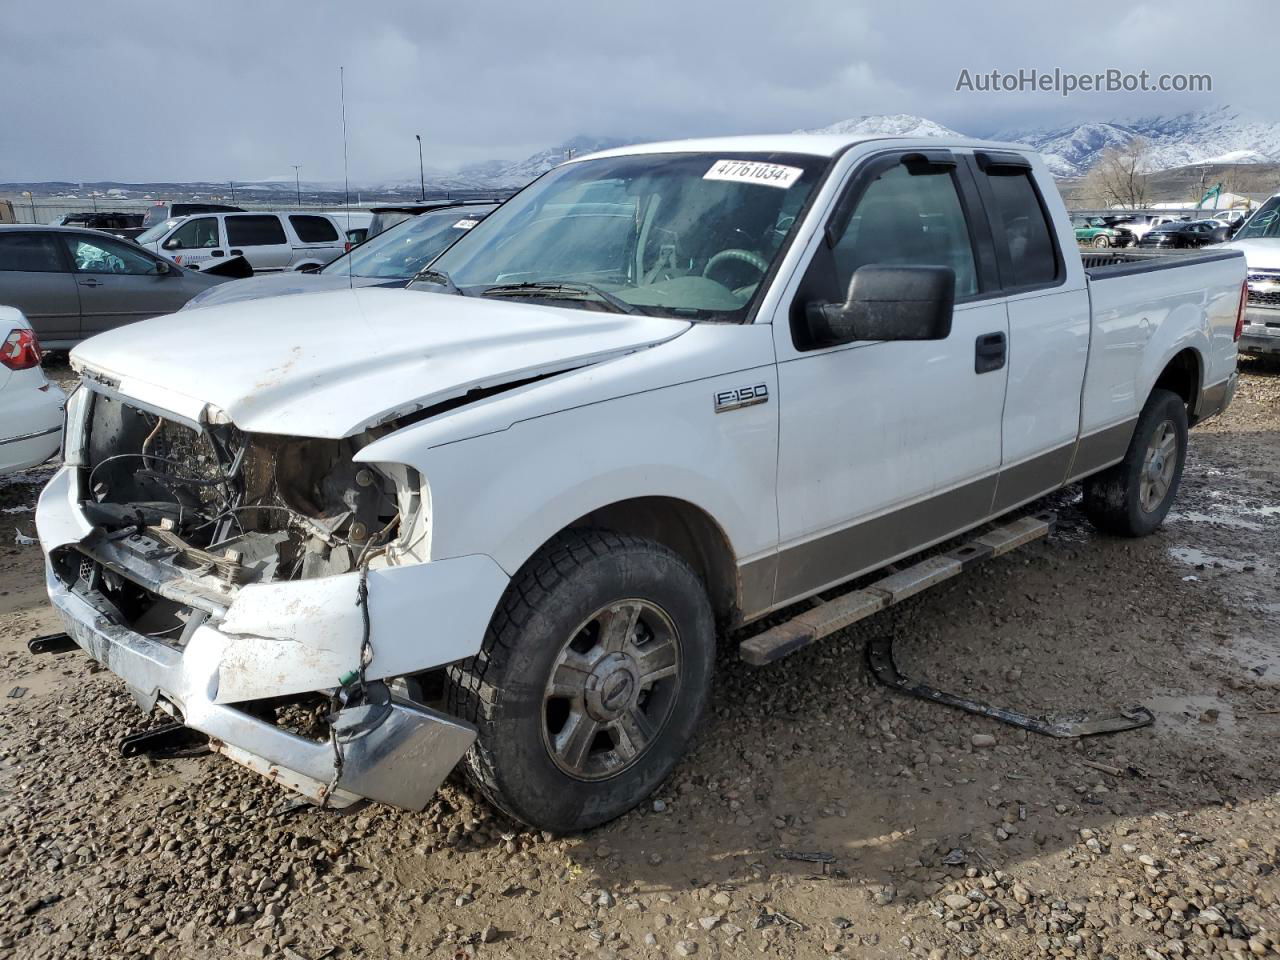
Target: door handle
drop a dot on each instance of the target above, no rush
(216, 253)
(989, 352)
(237, 253)
(91, 282)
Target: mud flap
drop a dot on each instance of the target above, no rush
(880, 660)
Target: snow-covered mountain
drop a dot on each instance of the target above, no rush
(1219, 135)
(503, 174)
(886, 125)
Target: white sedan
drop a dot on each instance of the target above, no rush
(30, 406)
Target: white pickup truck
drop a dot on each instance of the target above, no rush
(1259, 241)
(501, 517)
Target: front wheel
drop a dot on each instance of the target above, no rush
(591, 681)
(1132, 498)
(1102, 240)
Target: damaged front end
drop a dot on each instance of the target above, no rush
(241, 581)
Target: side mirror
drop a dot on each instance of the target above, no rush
(163, 267)
(170, 244)
(888, 303)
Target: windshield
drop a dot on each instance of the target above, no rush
(407, 247)
(1265, 224)
(688, 235)
(158, 231)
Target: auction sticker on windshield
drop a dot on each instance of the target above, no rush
(465, 224)
(753, 171)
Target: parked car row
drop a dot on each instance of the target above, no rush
(1181, 233)
(268, 241)
(72, 283)
(391, 259)
(1132, 229)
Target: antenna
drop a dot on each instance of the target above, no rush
(346, 181)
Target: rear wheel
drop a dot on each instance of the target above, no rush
(591, 682)
(1132, 498)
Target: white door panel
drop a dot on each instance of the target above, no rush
(876, 426)
(1048, 350)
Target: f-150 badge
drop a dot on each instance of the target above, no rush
(741, 397)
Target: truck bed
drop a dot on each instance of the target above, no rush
(1124, 263)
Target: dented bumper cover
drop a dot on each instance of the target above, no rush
(277, 640)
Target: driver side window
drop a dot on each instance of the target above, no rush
(908, 218)
(197, 234)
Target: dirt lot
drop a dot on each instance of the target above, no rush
(1156, 843)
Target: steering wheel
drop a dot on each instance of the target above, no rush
(742, 256)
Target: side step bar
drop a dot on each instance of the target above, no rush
(826, 618)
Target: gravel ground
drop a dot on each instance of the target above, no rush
(922, 832)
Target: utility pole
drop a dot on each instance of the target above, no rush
(232, 184)
(422, 179)
(297, 180)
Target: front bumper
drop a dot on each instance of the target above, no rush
(1261, 332)
(276, 640)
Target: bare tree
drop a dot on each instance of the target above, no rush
(1122, 176)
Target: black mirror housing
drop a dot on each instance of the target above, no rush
(888, 303)
(163, 267)
(170, 244)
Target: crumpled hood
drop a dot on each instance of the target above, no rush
(332, 364)
(281, 285)
(1259, 254)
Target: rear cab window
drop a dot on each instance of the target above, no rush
(1026, 245)
(312, 229)
(254, 230)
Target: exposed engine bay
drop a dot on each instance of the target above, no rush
(235, 507)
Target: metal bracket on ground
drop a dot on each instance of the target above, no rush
(52, 643)
(167, 741)
(828, 617)
(880, 659)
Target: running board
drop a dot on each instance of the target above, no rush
(826, 618)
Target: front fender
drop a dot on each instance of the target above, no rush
(505, 494)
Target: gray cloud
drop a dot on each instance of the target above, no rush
(134, 90)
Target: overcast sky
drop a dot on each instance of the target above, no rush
(129, 90)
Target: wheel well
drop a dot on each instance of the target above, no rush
(688, 530)
(1182, 376)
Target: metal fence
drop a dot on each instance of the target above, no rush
(49, 209)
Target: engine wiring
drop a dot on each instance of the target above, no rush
(356, 682)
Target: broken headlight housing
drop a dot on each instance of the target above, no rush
(247, 507)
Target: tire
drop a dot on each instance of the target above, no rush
(1132, 498)
(1102, 240)
(601, 612)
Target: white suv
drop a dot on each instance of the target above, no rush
(268, 241)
